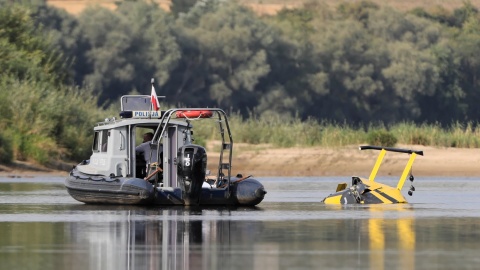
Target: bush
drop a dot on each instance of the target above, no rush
(419, 139)
(6, 151)
(381, 138)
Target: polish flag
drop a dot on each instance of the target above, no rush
(154, 100)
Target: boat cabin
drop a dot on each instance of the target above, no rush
(115, 140)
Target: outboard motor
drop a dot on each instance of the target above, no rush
(191, 167)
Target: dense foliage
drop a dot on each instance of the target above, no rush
(356, 64)
(42, 117)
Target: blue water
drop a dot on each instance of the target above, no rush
(42, 227)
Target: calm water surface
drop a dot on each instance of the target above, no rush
(42, 227)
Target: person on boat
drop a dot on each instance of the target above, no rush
(147, 155)
(146, 150)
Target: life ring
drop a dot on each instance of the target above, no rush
(194, 114)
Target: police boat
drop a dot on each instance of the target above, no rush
(175, 172)
(368, 191)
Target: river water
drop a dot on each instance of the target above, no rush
(42, 227)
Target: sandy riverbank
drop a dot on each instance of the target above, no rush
(344, 161)
(348, 161)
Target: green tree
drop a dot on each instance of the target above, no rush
(295, 73)
(224, 55)
(447, 105)
(351, 61)
(182, 6)
(128, 47)
(23, 52)
(51, 122)
(466, 44)
(65, 35)
(359, 11)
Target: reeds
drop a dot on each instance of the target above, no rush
(456, 135)
(292, 132)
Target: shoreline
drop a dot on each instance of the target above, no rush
(350, 161)
(22, 169)
(264, 161)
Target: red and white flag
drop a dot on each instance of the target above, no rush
(154, 100)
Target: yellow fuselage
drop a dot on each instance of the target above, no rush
(374, 193)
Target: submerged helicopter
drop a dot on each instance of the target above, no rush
(367, 191)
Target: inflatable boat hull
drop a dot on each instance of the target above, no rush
(97, 189)
(105, 190)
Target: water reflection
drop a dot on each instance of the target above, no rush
(211, 239)
(41, 227)
(161, 239)
(405, 237)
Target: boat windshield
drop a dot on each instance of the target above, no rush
(136, 103)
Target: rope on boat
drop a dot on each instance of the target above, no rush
(243, 178)
(153, 173)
